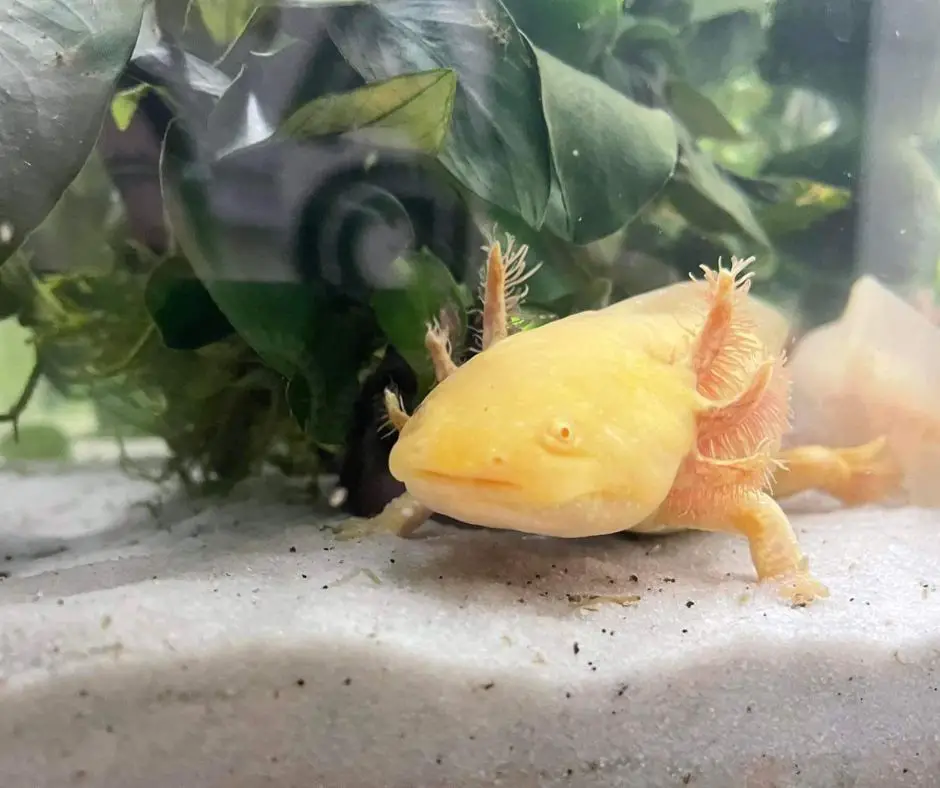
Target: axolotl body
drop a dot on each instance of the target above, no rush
(657, 413)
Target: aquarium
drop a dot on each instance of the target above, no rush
(469, 393)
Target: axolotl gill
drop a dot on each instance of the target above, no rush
(662, 412)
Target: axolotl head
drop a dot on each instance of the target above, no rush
(550, 435)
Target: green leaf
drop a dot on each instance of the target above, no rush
(182, 308)
(37, 443)
(274, 318)
(412, 111)
(572, 30)
(404, 312)
(315, 3)
(528, 318)
(10, 303)
(226, 20)
(271, 316)
(704, 10)
(833, 160)
(611, 155)
(79, 233)
(709, 201)
(646, 51)
(58, 65)
(498, 145)
(698, 113)
(675, 12)
(722, 47)
(802, 204)
(300, 401)
(637, 36)
(124, 105)
(17, 349)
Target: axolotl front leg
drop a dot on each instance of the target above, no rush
(731, 481)
(723, 501)
(404, 515)
(722, 485)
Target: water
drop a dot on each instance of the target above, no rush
(225, 229)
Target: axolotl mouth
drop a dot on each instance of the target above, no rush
(468, 482)
(511, 505)
(480, 500)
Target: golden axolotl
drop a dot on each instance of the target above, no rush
(661, 412)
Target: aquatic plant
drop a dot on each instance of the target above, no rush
(227, 222)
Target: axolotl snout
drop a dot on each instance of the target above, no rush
(661, 412)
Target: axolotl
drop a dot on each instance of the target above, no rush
(662, 412)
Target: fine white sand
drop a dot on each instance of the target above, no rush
(240, 645)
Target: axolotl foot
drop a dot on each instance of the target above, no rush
(799, 588)
(775, 552)
(773, 546)
(868, 473)
(402, 517)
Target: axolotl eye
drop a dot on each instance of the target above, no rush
(560, 436)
